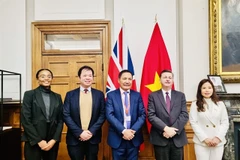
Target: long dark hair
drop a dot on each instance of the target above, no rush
(200, 100)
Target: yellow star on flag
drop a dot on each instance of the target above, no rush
(156, 85)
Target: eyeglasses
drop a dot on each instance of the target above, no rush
(45, 76)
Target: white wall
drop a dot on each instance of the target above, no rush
(13, 42)
(139, 20)
(183, 23)
(195, 46)
(69, 9)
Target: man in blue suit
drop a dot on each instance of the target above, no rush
(126, 115)
(84, 115)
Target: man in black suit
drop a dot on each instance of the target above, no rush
(84, 115)
(167, 112)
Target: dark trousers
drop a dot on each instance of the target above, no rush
(35, 152)
(168, 152)
(83, 149)
(126, 151)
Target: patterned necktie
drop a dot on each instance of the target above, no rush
(168, 102)
(126, 103)
(127, 112)
(85, 90)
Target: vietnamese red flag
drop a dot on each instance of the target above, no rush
(156, 60)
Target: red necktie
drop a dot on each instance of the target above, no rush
(168, 102)
(85, 90)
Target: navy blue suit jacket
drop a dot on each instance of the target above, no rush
(115, 117)
(71, 116)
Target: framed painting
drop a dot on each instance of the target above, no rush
(218, 83)
(224, 31)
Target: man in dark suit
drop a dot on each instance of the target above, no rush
(84, 115)
(167, 112)
(126, 116)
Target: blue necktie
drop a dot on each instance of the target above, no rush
(168, 102)
(127, 107)
(126, 103)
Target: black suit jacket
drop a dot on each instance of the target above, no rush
(33, 117)
(71, 116)
(159, 117)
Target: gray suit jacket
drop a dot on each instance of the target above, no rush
(159, 117)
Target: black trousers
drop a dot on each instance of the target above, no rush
(168, 152)
(83, 149)
(35, 152)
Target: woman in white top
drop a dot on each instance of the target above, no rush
(209, 120)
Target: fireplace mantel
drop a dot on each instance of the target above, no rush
(232, 102)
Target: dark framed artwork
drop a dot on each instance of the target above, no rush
(218, 83)
(224, 31)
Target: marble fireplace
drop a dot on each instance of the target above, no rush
(232, 147)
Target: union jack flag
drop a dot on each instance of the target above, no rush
(119, 60)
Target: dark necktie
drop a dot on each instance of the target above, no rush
(85, 90)
(168, 102)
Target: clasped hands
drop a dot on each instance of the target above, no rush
(85, 135)
(128, 134)
(212, 142)
(46, 146)
(169, 132)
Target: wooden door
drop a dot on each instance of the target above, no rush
(65, 61)
(65, 69)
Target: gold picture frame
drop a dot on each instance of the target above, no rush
(224, 39)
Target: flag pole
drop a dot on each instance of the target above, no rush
(122, 21)
(156, 18)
